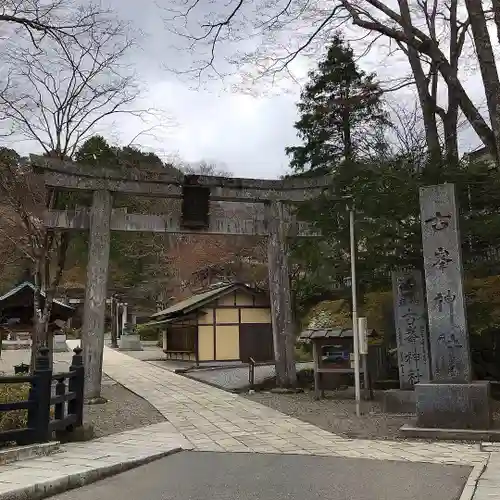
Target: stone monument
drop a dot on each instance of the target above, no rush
(130, 340)
(411, 328)
(452, 399)
(59, 336)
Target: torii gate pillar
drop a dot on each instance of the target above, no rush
(96, 292)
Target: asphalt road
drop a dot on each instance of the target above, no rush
(241, 476)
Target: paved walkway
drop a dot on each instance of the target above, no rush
(215, 420)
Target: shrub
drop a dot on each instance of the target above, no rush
(329, 314)
(10, 393)
(73, 333)
(148, 332)
(303, 352)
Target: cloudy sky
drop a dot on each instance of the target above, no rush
(245, 134)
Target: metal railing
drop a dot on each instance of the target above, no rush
(251, 373)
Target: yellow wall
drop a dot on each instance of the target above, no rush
(228, 342)
(206, 317)
(206, 343)
(262, 315)
(227, 334)
(226, 315)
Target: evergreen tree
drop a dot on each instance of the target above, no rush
(95, 151)
(342, 124)
(341, 113)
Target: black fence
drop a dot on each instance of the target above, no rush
(52, 405)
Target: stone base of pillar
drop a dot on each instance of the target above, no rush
(130, 343)
(454, 406)
(398, 401)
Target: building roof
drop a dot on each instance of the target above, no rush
(329, 333)
(322, 333)
(22, 287)
(199, 300)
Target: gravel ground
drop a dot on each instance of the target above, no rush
(236, 379)
(338, 415)
(123, 411)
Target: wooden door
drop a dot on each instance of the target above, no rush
(256, 341)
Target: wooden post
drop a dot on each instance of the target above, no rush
(124, 315)
(317, 389)
(118, 323)
(96, 292)
(366, 381)
(280, 295)
(39, 415)
(114, 330)
(76, 385)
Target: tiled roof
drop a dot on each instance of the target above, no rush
(315, 333)
(196, 301)
(27, 284)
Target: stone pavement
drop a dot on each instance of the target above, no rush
(77, 464)
(215, 420)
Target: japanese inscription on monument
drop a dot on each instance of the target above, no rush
(448, 336)
(411, 328)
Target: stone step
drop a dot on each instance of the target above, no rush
(14, 454)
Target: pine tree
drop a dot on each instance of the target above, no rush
(341, 113)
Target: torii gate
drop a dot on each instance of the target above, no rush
(202, 197)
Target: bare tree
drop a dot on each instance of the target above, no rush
(57, 90)
(202, 167)
(56, 19)
(23, 200)
(487, 66)
(431, 33)
(58, 93)
(408, 130)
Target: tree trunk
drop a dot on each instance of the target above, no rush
(39, 324)
(346, 129)
(487, 66)
(427, 102)
(38, 338)
(450, 120)
(280, 295)
(496, 14)
(450, 125)
(430, 48)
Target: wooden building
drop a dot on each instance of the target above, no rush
(16, 309)
(229, 322)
